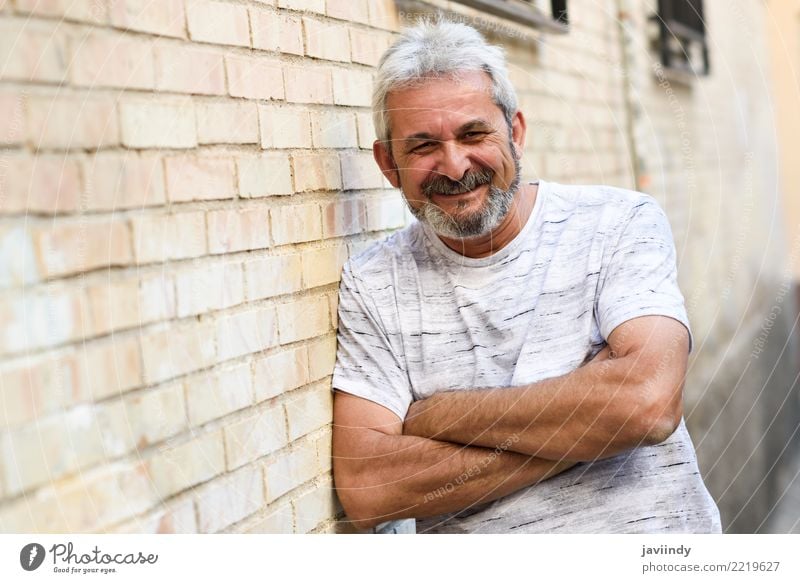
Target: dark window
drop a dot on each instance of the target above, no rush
(526, 12)
(682, 42)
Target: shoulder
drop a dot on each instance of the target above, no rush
(610, 198)
(377, 263)
(608, 209)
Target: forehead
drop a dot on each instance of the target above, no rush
(437, 104)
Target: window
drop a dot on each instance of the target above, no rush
(531, 12)
(682, 36)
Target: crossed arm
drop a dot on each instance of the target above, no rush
(461, 448)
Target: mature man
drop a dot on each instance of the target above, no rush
(513, 361)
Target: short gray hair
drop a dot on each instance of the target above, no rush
(439, 49)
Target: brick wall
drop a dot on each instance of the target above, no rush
(180, 183)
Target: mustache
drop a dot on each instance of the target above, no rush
(471, 180)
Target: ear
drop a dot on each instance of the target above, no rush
(519, 129)
(386, 162)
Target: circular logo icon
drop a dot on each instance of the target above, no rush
(31, 556)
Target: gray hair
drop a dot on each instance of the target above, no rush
(439, 49)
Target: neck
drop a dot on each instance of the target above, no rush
(504, 233)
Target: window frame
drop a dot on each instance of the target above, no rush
(517, 11)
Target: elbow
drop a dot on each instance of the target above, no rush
(360, 503)
(663, 417)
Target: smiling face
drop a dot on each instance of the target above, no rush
(453, 153)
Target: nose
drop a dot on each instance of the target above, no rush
(453, 161)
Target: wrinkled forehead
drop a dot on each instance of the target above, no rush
(454, 98)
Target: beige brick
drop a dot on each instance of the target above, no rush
(188, 69)
(309, 411)
(276, 32)
(254, 437)
(100, 59)
(44, 184)
(383, 14)
(304, 318)
(229, 499)
(176, 518)
(13, 125)
(323, 447)
(199, 178)
(68, 248)
(280, 372)
(323, 266)
(154, 415)
(279, 520)
(295, 223)
(178, 468)
(158, 123)
(284, 127)
(326, 40)
(317, 6)
(36, 386)
(227, 122)
(55, 447)
(218, 23)
(366, 131)
(349, 10)
(238, 230)
(246, 332)
(37, 320)
(308, 85)
(72, 122)
(126, 180)
(333, 307)
(385, 212)
(272, 276)
(359, 171)
(217, 394)
(321, 358)
(367, 46)
(210, 287)
(159, 238)
(352, 87)
(265, 175)
(116, 305)
(254, 78)
(334, 129)
(346, 216)
(32, 51)
(174, 351)
(17, 257)
(89, 501)
(109, 367)
(165, 17)
(314, 507)
(316, 171)
(89, 11)
(290, 470)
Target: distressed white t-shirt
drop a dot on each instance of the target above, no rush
(416, 317)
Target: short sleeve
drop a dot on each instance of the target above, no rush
(640, 276)
(367, 365)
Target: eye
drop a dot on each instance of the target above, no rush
(422, 147)
(473, 135)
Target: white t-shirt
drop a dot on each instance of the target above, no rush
(416, 317)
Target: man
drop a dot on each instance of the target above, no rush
(514, 360)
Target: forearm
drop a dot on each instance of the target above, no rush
(407, 476)
(596, 411)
